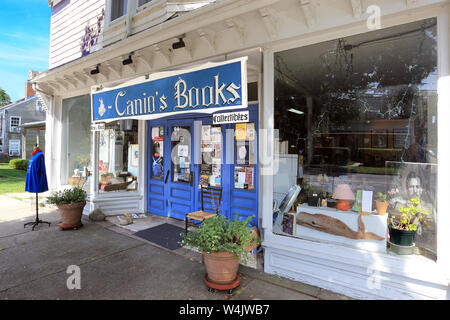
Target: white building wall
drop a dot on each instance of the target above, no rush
(68, 27)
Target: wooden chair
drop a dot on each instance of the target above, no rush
(196, 218)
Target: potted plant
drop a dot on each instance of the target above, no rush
(403, 229)
(223, 243)
(70, 203)
(381, 203)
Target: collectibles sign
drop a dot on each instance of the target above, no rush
(207, 88)
(231, 117)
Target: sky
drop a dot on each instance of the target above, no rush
(24, 43)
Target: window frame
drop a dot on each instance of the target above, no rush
(11, 126)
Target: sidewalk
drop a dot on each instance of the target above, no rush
(114, 265)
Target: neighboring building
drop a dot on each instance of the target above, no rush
(22, 125)
(337, 92)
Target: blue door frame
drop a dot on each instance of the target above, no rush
(173, 199)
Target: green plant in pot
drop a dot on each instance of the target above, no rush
(403, 229)
(222, 242)
(70, 203)
(381, 203)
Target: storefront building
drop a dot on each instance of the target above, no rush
(325, 94)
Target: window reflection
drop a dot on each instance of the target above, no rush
(361, 110)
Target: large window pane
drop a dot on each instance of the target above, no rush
(77, 140)
(362, 110)
(118, 155)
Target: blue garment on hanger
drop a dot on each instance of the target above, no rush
(36, 177)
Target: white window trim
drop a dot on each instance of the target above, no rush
(14, 126)
(17, 142)
(147, 6)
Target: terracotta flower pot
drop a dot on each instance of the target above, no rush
(381, 207)
(221, 267)
(71, 213)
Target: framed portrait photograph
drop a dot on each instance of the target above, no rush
(379, 138)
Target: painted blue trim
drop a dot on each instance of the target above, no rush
(242, 203)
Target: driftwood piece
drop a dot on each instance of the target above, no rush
(324, 223)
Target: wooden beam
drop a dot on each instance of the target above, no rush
(146, 57)
(269, 22)
(308, 12)
(209, 39)
(166, 55)
(238, 31)
(116, 69)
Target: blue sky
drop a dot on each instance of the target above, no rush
(24, 43)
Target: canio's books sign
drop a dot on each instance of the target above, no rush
(207, 88)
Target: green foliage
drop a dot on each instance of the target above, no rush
(67, 196)
(4, 98)
(220, 234)
(18, 164)
(410, 216)
(382, 197)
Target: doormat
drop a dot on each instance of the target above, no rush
(166, 235)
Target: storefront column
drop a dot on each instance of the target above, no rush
(443, 236)
(53, 142)
(266, 145)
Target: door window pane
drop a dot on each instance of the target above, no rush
(244, 155)
(211, 152)
(181, 154)
(157, 153)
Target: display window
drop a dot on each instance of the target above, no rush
(357, 126)
(118, 152)
(77, 142)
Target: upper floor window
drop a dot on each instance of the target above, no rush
(142, 2)
(14, 122)
(118, 8)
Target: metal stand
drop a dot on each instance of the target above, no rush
(37, 221)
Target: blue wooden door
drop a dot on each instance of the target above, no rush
(175, 176)
(180, 175)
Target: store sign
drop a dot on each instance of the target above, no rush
(207, 88)
(97, 126)
(231, 117)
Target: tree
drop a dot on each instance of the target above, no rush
(4, 98)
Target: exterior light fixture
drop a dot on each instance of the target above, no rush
(179, 44)
(127, 61)
(96, 70)
(295, 111)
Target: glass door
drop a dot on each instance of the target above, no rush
(179, 176)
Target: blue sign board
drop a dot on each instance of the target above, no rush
(207, 88)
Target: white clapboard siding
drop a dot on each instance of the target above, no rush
(68, 28)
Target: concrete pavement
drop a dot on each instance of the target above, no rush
(114, 265)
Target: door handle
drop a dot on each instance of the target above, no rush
(167, 176)
(191, 178)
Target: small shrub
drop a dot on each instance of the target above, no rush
(67, 196)
(18, 164)
(220, 234)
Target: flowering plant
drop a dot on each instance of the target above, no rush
(410, 216)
